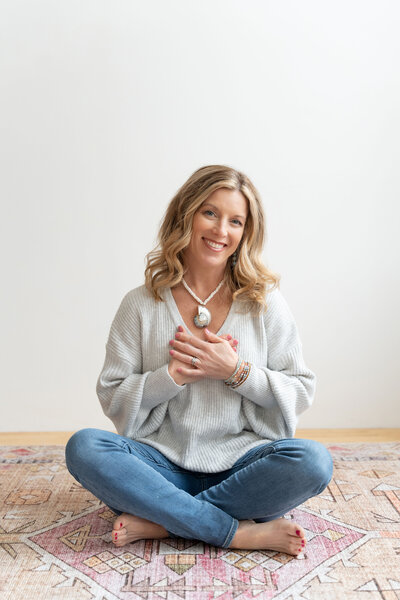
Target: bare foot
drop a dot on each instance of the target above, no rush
(130, 528)
(280, 535)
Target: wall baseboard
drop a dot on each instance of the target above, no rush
(46, 438)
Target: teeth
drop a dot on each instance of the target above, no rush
(215, 245)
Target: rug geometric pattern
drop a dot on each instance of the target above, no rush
(55, 540)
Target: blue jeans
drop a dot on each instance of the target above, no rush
(135, 478)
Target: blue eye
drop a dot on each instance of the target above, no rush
(210, 213)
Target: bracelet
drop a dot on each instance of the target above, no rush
(237, 374)
(244, 373)
(231, 378)
(240, 374)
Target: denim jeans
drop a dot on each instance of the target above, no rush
(135, 478)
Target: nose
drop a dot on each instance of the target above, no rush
(221, 228)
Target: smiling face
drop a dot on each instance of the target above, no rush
(218, 227)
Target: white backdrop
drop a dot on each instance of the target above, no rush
(108, 106)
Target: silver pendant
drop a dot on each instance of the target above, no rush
(203, 318)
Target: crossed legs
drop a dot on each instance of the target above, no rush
(241, 507)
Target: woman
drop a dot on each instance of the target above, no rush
(204, 379)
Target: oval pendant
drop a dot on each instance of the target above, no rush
(203, 318)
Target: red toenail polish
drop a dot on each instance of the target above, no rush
(297, 531)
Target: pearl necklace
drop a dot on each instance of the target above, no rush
(203, 317)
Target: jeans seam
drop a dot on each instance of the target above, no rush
(257, 456)
(178, 470)
(244, 461)
(231, 533)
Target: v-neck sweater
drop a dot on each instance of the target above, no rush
(205, 426)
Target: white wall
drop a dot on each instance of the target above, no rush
(107, 107)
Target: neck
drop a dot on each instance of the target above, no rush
(203, 281)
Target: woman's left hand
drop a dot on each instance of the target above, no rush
(216, 357)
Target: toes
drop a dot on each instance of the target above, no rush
(300, 541)
(298, 546)
(296, 549)
(298, 532)
(118, 536)
(118, 541)
(118, 524)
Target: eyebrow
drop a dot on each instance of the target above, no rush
(216, 208)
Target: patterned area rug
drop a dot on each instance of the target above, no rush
(55, 540)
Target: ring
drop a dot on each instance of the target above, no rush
(194, 361)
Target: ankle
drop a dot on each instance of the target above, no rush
(162, 532)
(241, 536)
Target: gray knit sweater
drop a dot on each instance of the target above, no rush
(203, 426)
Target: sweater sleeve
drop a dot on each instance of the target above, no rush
(127, 395)
(284, 383)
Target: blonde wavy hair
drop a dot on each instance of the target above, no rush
(248, 280)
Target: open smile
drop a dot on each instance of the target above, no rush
(215, 246)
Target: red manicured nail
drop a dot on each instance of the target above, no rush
(120, 524)
(234, 349)
(297, 531)
(171, 342)
(303, 543)
(171, 352)
(228, 337)
(236, 342)
(299, 549)
(177, 336)
(180, 328)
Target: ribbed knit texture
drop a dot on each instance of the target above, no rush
(203, 426)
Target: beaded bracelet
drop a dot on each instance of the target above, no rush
(232, 377)
(244, 373)
(240, 374)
